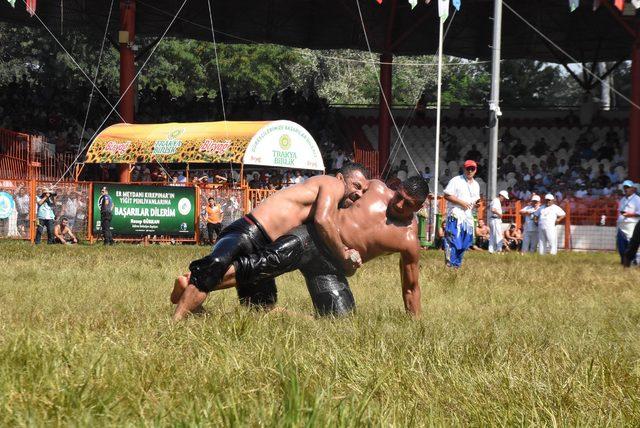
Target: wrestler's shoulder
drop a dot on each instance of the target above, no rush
(377, 185)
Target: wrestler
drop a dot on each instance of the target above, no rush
(381, 222)
(316, 200)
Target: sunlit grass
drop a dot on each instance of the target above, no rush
(85, 339)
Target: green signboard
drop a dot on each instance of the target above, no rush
(148, 210)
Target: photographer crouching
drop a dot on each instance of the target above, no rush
(45, 204)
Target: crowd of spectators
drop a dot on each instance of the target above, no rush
(58, 113)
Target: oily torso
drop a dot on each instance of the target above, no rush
(290, 207)
(365, 227)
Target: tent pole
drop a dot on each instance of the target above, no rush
(126, 38)
(633, 157)
(494, 101)
(438, 114)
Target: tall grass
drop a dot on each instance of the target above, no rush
(85, 339)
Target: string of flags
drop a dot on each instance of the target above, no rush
(443, 5)
(31, 5)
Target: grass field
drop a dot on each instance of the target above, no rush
(85, 340)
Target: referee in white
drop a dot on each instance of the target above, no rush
(495, 222)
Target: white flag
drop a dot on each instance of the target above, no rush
(573, 4)
(443, 9)
(413, 3)
(636, 3)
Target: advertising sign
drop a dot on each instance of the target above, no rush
(284, 144)
(148, 210)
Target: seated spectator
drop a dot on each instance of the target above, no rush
(562, 167)
(519, 149)
(427, 174)
(564, 144)
(482, 236)
(512, 238)
(474, 154)
(540, 147)
(63, 233)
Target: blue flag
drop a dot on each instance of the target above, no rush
(456, 4)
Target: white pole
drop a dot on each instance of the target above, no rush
(494, 102)
(436, 171)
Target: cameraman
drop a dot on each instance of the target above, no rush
(46, 215)
(63, 232)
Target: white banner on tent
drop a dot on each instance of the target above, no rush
(284, 144)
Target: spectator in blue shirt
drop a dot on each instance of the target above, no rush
(46, 216)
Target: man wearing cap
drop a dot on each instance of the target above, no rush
(548, 216)
(530, 239)
(629, 216)
(106, 208)
(462, 194)
(495, 222)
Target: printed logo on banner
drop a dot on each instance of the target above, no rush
(6, 205)
(285, 142)
(183, 227)
(169, 146)
(184, 206)
(116, 148)
(214, 147)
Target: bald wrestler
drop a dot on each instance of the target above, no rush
(381, 222)
(316, 200)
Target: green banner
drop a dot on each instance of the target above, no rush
(148, 210)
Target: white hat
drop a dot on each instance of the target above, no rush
(504, 194)
(548, 197)
(535, 198)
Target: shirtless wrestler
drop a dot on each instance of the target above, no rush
(381, 222)
(316, 200)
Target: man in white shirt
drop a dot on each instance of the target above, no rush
(548, 216)
(629, 215)
(530, 239)
(462, 194)
(495, 222)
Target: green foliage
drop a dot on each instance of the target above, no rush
(85, 340)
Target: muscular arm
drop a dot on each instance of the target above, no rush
(409, 273)
(324, 220)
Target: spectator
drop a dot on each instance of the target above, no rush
(462, 193)
(482, 236)
(512, 238)
(548, 216)
(530, 239)
(474, 154)
(519, 149)
(495, 222)
(70, 209)
(427, 174)
(46, 216)
(106, 209)
(629, 216)
(540, 147)
(338, 161)
(63, 233)
(22, 206)
(214, 217)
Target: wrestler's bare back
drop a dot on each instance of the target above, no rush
(365, 226)
(289, 208)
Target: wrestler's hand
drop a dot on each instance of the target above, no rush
(351, 261)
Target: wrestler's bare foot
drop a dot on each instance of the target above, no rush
(190, 302)
(179, 286)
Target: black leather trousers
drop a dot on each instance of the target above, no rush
(302, 249)
(242, 237)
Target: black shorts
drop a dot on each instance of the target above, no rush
(242, 237)
(301, 248)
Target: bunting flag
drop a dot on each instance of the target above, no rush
(596, 5)
(443, 9)
(456, 4)
(12, 3)
(413, 3)
(636, 3)
(620, 4)
(427, 1)
(31, 7)
(573, 4)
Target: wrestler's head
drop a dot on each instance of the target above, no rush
(355, 177)
(408, 199)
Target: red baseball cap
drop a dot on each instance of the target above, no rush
(469, 163)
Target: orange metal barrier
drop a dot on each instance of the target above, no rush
(368, 158)
(255, 196)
